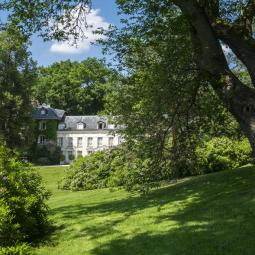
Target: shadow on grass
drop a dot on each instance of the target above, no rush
(214, 214)
(46, 238)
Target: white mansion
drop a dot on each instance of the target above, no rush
(82, 135)
(75, 135)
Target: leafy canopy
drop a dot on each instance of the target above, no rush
(17, 75)
(76, 87)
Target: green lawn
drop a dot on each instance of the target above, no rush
(206, 215)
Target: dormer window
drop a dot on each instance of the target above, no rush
(43, 112)
(101, 125)
(61, 126)
(81, 125)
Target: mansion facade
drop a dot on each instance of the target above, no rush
(75, 135)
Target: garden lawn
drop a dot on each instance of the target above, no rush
(206, 215)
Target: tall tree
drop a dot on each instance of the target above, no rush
(76, 87)
(232, 23)
(209, 22)
(17, 74)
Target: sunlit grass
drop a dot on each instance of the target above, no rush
(213, 214)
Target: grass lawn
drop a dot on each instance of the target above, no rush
(206, 215)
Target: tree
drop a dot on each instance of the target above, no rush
(230, 22)
(165, 103)
(209, 22)
(76, 87)
(17, 74)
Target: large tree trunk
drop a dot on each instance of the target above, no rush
(240, 101)
(237, 97)
(243, 47)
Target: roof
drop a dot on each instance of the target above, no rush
(91, 122)
(50, 113)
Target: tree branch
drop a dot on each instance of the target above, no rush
(211, 8)
(242, 46)
(204, 38)
(246, 18)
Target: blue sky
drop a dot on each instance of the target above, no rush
(46, 53)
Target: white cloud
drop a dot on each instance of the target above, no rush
(94, 22)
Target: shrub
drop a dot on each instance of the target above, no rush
(108, 168)
(88, 172)
(21, 249)
(222, 153)
(48, 154)
(122, 167)
(23, 212)
(62, 157)
(43, 161)
(71, 157)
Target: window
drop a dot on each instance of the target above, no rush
(110, 141)
(90, 141)
(101, 125)
(99, 141)
(79, 142)
(81, 126)
(70, 155)
(120, 140)
(61, 126)
(60, 141)
(42, 125)
(70, 142)
(43, 112)
(79, 154)
(42, 139)
(90, 152)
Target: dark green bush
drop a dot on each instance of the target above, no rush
(88, 172)
(222, 153)
(43, 161)
(48, 154)
(23, 212)
(71, 157)
(108, 168)
(62, 157)
(122, 167)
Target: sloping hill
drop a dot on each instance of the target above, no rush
(206, 215)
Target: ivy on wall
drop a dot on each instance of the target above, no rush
(46, 154)
(51, 130)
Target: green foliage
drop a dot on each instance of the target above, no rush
(51, 130)
(71, 157)
(17, 74)
(23, 212)
(77, 87)
(20, 249)
(164, 102)
(62, 157)
(88, 172)
(123, 167)
(222, 153)
(102, 169)
(112, 168)
(45, 17)
(48, 154)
